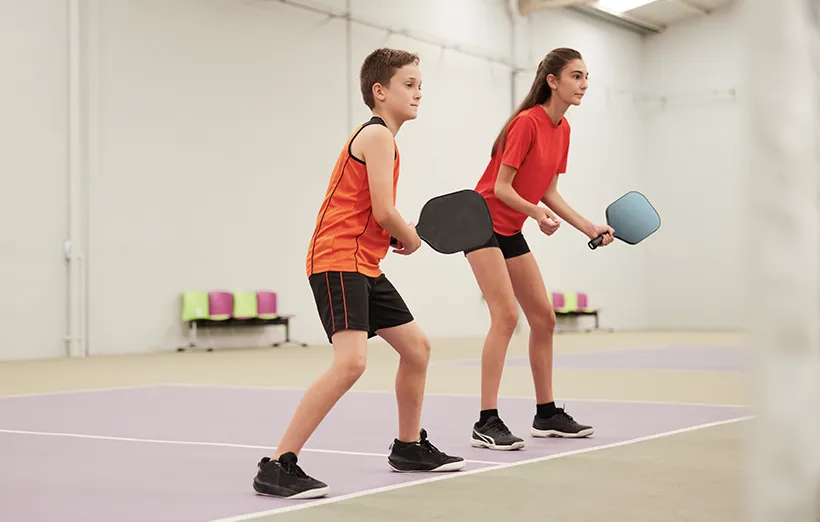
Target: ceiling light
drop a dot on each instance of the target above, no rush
(622, 6)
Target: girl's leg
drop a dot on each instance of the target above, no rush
(528, 285)
(491, 274)
(530, 291)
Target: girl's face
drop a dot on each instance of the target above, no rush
(572, 83)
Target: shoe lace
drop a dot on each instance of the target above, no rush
(293, 469)
(564, 414)
(427, 445)
(498, 424)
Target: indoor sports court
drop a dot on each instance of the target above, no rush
(163, 196)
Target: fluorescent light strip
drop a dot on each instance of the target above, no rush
(622, 6)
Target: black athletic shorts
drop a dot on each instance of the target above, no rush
(511, 246)
(354, 301)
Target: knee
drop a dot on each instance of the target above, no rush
(351, 367)
(505, 318)
(419, 354)
(544, 322)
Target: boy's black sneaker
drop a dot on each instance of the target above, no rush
(284, 478)
(494, 434)
(421, 456)
(561, 424)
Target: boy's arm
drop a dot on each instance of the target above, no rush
(376, 144)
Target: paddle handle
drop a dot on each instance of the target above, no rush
(394, 241)
(595, 243)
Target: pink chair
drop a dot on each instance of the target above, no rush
(220, 305)
(557, 300)
(266, 304)
(267, 313)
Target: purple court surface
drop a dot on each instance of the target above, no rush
(188, 453)
(692, 358)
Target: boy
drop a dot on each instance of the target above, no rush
(354, 298)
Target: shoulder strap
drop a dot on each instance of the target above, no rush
(375, 120)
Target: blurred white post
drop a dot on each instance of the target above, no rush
(73, 246)
(783, 239)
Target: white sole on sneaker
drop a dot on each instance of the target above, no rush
(452, 466)
(311, 493)
(489, 445)
(553, 433)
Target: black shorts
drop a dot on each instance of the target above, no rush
(510, 246)
(354, 301)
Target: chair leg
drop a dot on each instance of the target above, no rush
(287, 337)
(192, 339)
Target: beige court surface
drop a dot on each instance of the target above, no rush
(697, 475)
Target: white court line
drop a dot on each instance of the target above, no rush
(217, 444)
(447, 476)
(87, 390)
(295, 388)
(462, 395)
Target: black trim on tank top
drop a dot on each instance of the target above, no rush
(375, 120)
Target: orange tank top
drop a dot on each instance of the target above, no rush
(347, 237)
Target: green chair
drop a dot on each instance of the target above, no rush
(195, 306)
(244, 305)
(571, 301)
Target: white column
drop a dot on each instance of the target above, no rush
(783, 240)
(74, 245)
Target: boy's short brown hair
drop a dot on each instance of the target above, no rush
(379, 67)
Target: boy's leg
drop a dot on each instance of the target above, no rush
(342, 302)
(414, 354)
(349, 359)
(391, 320)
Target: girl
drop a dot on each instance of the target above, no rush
(526, 159)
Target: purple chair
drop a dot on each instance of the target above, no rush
(266, 305)
(557, 300)
(220, 305)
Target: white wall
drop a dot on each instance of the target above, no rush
(33, 178)
(220, 132)
(694, 145)
(213, 123)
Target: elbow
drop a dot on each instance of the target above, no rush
(381, 215)
(551, 197)
(499, 190)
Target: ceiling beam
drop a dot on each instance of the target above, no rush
(693, 6)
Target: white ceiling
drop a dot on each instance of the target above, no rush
(652, 17)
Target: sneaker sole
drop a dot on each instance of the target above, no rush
(451, 466)
(482, 444)
(311, 493)
(553, 433)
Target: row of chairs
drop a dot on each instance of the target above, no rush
(232, 309)
(573, 304)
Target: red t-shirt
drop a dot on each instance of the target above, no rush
(538, 148)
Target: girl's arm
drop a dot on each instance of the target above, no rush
(554, 201)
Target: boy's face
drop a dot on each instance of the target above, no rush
(402, 96)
